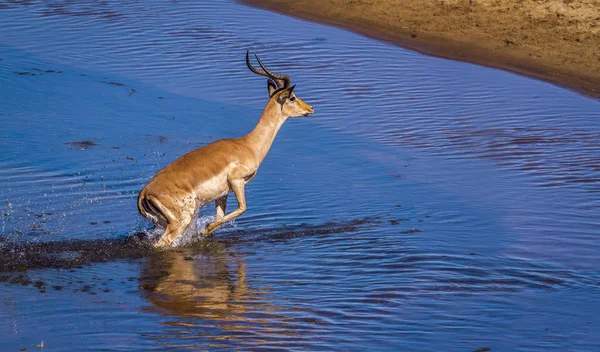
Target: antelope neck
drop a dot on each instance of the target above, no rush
(262, 136)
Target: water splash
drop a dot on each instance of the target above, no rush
(193, 236)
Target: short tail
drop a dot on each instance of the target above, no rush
(140, 200)
(152, 209)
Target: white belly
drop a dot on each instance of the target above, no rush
(212, 189)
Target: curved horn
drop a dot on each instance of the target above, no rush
(252, 68)
(283, 81)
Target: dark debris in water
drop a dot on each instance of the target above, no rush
(24, 73)
(45, 71)
(118, 84)
(40, 72)
(82, 145)
(413, 230)
(20, 279)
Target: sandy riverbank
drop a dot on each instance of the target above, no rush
(553, 40)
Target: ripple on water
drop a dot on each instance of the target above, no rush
(474, 192)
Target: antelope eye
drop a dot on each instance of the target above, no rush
(292, 98)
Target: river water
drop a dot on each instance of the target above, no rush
(428, 205)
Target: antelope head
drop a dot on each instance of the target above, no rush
(281, 92)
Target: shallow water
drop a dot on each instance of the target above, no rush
(428, 205)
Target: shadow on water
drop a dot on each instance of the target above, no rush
(18, 257)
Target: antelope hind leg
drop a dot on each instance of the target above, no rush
(171, 232)
(174, 229)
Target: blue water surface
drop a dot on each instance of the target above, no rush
(427, 205)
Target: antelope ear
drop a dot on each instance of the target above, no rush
(286, 93)
(272, 87)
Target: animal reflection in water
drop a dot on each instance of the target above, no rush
(207, 284)
(207, 289)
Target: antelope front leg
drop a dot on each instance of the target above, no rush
(237, 186)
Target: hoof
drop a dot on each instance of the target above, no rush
(161, 244)
(206, 232)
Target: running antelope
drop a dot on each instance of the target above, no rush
(174, 195)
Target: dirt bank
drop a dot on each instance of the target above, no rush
(554, 40)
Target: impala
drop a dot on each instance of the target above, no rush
(175, 194)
